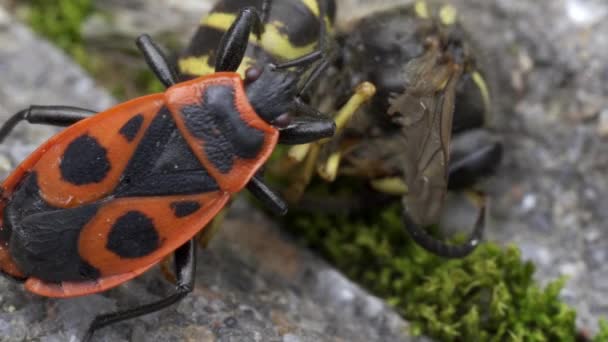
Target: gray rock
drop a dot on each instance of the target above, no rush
(253, 284)
(549, 62)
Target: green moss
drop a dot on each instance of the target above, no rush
(488, 296)
(602, 335)
(60, 21)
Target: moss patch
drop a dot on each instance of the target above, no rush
(488, 296)
(61, 22)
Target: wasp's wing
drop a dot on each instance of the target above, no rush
(425, 110)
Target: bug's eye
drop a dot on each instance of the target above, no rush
(282, 120)
(252, 74)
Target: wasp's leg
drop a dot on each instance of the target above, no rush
(303, 175)
(157, 61)
(185, 268)
(328, 169)
(266, 195)
(441, 248)
(48, 115)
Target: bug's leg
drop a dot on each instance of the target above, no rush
(48, 115)
(202, 238)
(234, 42)
(441, 248)
(266, 195)
(185, 269)
(157, 61)
(306, 129)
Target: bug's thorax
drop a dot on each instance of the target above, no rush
(219, 123)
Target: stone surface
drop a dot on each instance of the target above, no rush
(253, 284)
(549, 68)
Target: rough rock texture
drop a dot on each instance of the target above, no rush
(549, 64)
(252, 283)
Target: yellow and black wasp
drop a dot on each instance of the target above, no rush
(423, 126)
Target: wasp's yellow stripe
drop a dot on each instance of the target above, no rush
(313, 6)
(200, 66)
(390, 185)
(422, 10)
(483, 88)
(273, 41)
(448, 15)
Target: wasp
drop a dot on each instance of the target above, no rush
(422, 133)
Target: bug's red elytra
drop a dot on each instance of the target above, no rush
(91, 172)
(111, 195)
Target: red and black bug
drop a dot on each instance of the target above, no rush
(110, 196)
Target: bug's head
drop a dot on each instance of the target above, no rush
(271, 92)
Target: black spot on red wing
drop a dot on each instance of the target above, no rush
(185, 208)
(44, 239)
(133, 235)
(84, 161)
(132, 127)
(218, 123)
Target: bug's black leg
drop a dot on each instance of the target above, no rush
(302, 61)
(441, 248)
(235, 41)
(157, 61)
(312, 76)
(262, 192)
(306, 129)
(185, 269)
(49, 115)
